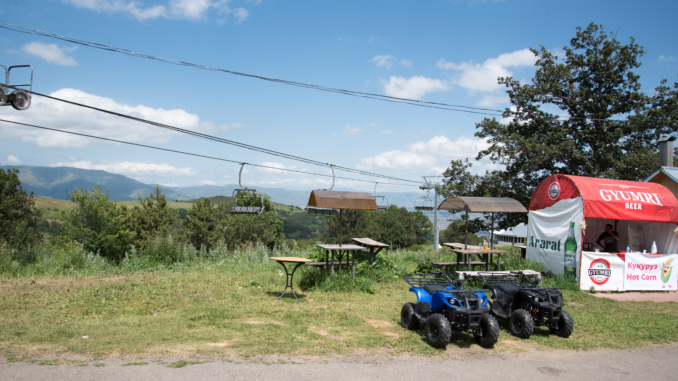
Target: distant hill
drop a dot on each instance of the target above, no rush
(56, 182)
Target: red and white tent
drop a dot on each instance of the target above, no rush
(643, 213)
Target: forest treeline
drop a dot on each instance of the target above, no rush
(105, 227)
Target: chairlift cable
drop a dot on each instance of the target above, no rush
(194, 154)
(220, 140)
(381, 97)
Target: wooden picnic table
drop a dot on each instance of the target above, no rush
(290, 276)
(473, 250)
(340, 250)
(371, 244)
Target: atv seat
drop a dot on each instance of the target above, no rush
(431, 288)
(508, 288)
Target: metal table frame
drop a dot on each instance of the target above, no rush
(290, 276)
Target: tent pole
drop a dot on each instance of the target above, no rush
(466, 235)
(340, 218)
(492, 233)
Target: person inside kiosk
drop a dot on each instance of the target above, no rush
(609, 238)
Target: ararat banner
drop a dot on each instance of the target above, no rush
(602, 271)
(547, 232)
(650, 272)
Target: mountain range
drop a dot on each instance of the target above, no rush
(57, 182)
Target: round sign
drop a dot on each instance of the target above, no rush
(600, 271)
(554, 190)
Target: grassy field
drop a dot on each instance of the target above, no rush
(215, 308)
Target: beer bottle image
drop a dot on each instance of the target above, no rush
(571, 255)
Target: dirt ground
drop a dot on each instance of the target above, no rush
(640, 296)
(651, 363)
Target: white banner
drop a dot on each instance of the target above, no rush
(547, 232)
(650, 272)
(602, 271)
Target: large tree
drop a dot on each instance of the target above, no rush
(583, 114)
(18, 216)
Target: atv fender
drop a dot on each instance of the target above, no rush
(422, 295)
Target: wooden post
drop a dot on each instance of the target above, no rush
(466, 235)
(340, 218)
(492, 233)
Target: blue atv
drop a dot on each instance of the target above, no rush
(445, 309)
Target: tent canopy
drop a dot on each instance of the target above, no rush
(342, 200)
(483, 205)
(609, 199)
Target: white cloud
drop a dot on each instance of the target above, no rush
(208, 182)
(386, 132)
(51, 53)
(384, 61)
(388, 60)
(131, 169)
(175, 9)
(169, 185)
(351, 131)
(663, 58)
(429, 155)
(13, 159)
(371, 124)
(482, 78)
(413, 87)
(59, 115)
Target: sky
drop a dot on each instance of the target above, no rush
(437, 51)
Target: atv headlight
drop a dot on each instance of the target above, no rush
(536, 300)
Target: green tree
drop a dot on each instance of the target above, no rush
(152, 217)
(99, 224)
(19, 218)
(456, 233)
(355, 224)
(423, 227)
(201, 221)
(238, 229)
(611, 131)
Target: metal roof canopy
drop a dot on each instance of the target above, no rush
(483, 205)
(342, 200)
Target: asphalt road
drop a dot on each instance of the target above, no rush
(654, 363)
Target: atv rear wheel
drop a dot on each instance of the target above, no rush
(521, 324)
(565, 325)
(438, 331)
(407, 317)
(489, 332)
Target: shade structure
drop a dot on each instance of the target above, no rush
(342, 200)
(482, 205)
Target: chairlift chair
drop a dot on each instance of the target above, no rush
(384, 201)
(20, 99)
(424, 203)
(246, 193)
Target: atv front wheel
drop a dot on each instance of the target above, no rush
(521, 324)
(407, 317)
(489, 332)
(565, 325)
(438, 331)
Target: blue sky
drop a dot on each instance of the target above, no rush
(442, 51)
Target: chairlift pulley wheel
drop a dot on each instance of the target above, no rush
(20, 100)
(3, 96)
